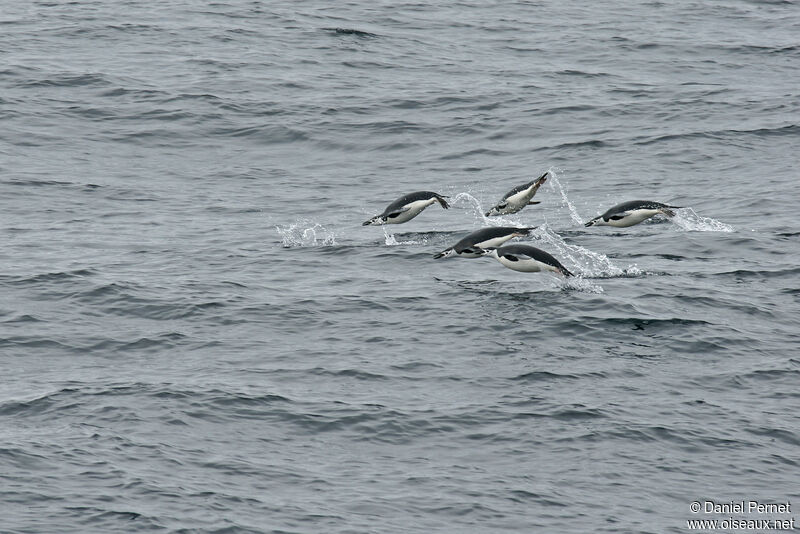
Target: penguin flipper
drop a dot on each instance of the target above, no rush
(395, 213)
(532, 202)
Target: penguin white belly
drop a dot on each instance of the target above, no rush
(494, 242)
(414, 209)
(526, 266)
(518, 201)
(633, 217)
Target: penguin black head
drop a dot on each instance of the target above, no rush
(375, 221)
(497, 209)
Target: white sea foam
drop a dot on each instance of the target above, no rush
(590, 263)
(306, 233)
(391, 240)
(578, 283)
(687, 219)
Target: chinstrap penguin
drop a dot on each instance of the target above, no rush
(518, 198)
(527, 259)
(473, 244)
(406, 208)
(632, 212)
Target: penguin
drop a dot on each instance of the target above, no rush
(406, 208)
(473, 244)
(518, 198)
(632, 212)
(526, 259)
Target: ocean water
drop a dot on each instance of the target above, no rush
(197, 335)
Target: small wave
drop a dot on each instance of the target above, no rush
(760, 273)
(270, 134)
(137, 94)
(464, 131)
(583, 74)
(542, 376)
(69, 80)
(53, 183)
(58, 277)
(687, 219)
(350, 31)
(23, 318)
(36, 405)
(306, 233)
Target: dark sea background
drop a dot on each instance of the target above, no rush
(198, 336)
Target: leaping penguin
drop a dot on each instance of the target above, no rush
(527, 259)
(473, 245)
(406, 208)
(518, 198)
(632, 212)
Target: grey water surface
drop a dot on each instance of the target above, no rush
(198, 336)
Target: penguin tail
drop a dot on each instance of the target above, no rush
(563, 270)
(669, 211)
(442, 201)
(443, 254)
(531, 203)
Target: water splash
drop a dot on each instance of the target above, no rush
(687, 219)
(306, 233)
(578, 283)
(565, 201)
(475, 204)
(591, 264)
(392, 241)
